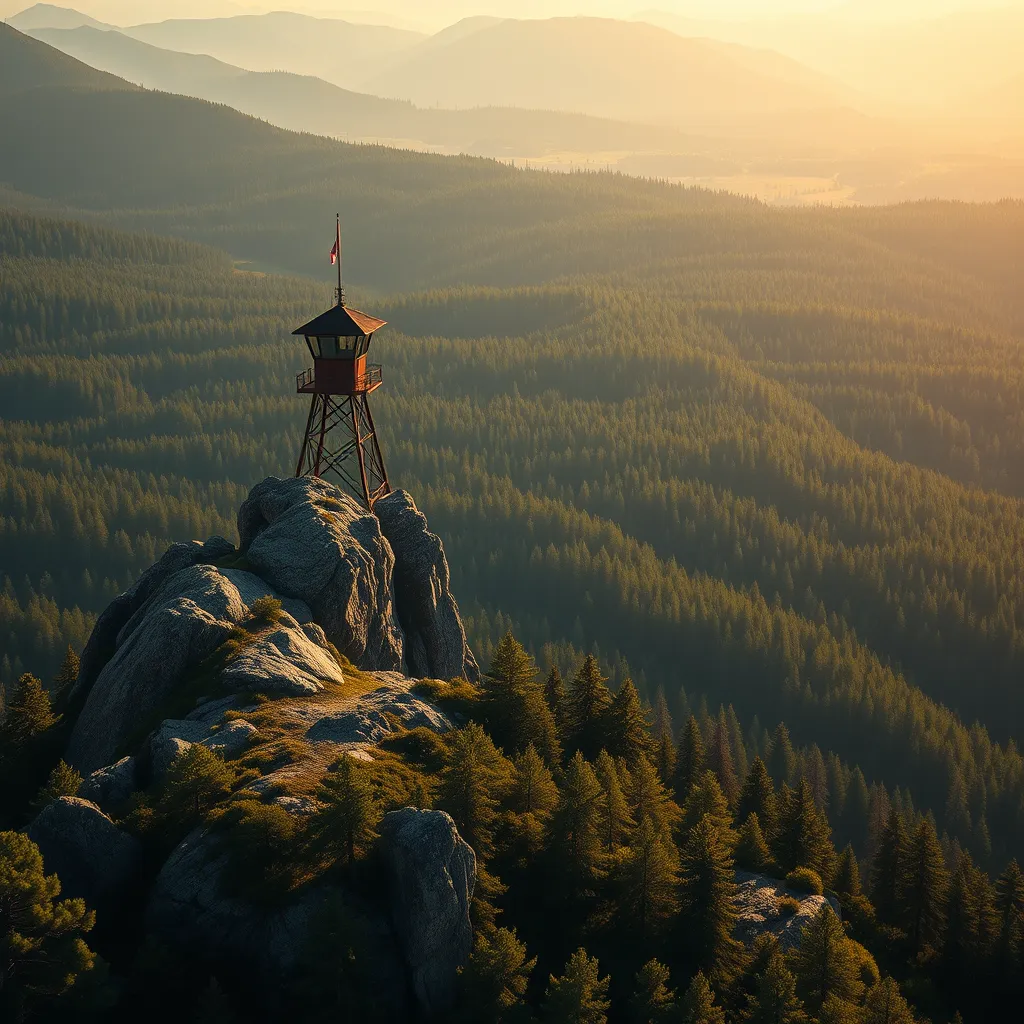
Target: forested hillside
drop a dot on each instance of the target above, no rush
(767, 464)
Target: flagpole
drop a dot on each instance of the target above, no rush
(341, 291)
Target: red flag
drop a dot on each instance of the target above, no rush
(334, 253)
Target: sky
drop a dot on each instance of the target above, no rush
(440, 12)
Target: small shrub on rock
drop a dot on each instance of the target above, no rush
(267, 611)
(805, 880)
(788, 906)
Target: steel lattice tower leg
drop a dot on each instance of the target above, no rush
(340, 439)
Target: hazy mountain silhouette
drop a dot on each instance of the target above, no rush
(28, 64)
(339, 51)
(625, 70)
(304, 103)
(51, 16)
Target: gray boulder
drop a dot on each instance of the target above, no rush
(285, 661)
(435, 641)
(162, 643)
(94, 859)
(103, 640)
(310, 541)
(183, 622)
(757, 906)
(433, 873)
(111, 787)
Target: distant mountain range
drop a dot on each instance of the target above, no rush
(304, 103)
(624, 70)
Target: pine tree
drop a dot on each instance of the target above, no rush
(856, 813)
(626, 726)
(885, 1005)
(775, 1000)
(196, 780)
(661, 724)
(647, 796)
(665, 760)
(554, 696)
(826, 963)
(804, 839)
(719, 760)
(690, 760)
(1009, 905)
(847, 878)
(472, 783)
(707, 914)
(924, 882)
(616, 822)
(971, 925)
(699, 1003)
(576, 840)
(516, 706)
(653, 1001)
(66, 677)
(494, 980)
(533, 787)
(758, 797)
(847, 886)
(706, 799)
(752, 853)
(650, 878)
(28, 716)
(887, 869)
(42, 947)
(781, 757)
(63, 781)
(579, 996)
(346, 821)
(586, 710)
(817, 778)
(740, 761)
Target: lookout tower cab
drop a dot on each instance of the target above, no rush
(340, 437)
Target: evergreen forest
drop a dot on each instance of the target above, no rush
(733, 500)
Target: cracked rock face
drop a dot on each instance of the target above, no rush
(285, 661)
(433, 874)
(435, 641)
(310, 541)
(166, 639)
(95, 860)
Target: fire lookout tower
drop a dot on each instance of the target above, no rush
(340, 436)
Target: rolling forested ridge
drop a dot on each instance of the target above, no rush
(768, 465)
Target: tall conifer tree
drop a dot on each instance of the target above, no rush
(924, 883)
(826, 963)
(690, 759)
(804, 838)
(580, 995)
(758, 797)
(626, 730)
(586, 710)
(707, 915)
(887, 869)
(653, 1002)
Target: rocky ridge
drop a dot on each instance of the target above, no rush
(306, 640)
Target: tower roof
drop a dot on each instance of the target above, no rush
(341, 322)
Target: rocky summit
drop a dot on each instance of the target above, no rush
(302, 645)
